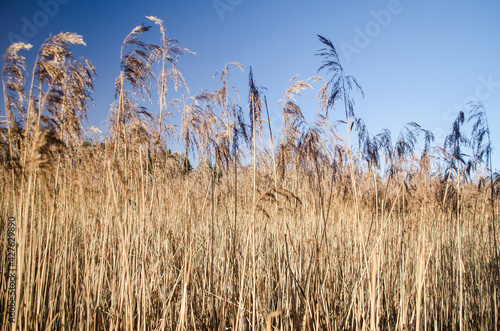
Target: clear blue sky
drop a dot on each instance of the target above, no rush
(417, 60)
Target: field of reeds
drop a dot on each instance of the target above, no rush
(303, 229)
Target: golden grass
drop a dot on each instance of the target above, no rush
(98, 250)
(120, 236)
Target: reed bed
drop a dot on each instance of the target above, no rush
(313, 232)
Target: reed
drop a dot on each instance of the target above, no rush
(315, 233)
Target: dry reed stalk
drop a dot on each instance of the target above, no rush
(373, 290)
(183, 311)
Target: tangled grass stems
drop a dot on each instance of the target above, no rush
(313, 234)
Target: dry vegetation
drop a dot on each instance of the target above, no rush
(309, 231)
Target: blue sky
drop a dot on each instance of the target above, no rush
(416, 60)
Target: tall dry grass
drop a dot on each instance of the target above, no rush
(313, 234)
